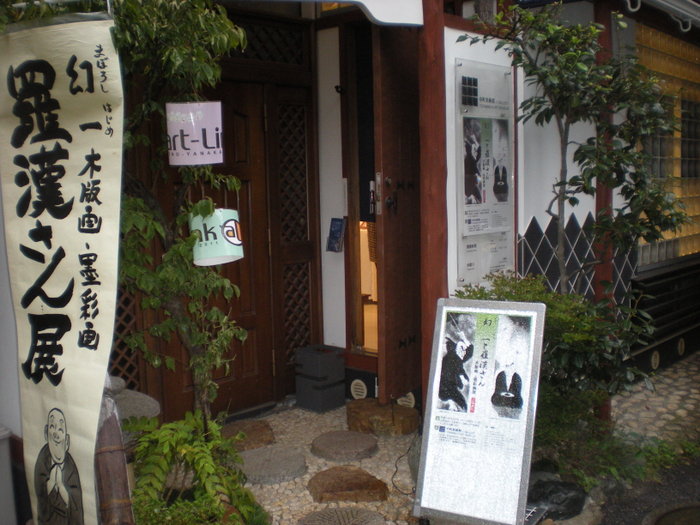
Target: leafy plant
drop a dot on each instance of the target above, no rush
(185, 471)
(585, 343)
(171, 51)
(575, 81)
(587, 451)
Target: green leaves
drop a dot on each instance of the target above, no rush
(585, 343)
(573, 83)
(186, 472)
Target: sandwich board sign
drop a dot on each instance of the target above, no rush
(480, 412)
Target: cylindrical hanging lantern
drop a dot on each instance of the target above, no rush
(219, 237)
(194, 133)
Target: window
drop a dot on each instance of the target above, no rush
(675, 157)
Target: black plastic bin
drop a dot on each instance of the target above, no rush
(320, 377)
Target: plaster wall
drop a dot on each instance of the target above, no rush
(10, 415)
(331, 183)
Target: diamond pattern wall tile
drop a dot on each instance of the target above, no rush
(536, 249)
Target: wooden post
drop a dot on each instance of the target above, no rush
(603, 195)
(433, 174)
(113, 493)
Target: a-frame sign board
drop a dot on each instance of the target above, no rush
(480, 412)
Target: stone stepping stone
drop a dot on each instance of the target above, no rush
(273, 464)
(367, 415)
(257, 433)
(346, 483)
(344, 445)
(343, 516)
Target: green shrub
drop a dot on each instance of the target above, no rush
(585, 343)
(187, 473)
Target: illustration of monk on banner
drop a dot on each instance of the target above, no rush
(56, 479)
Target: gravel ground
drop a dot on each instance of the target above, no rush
(680, 484)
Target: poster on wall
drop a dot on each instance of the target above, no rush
(484, 169)
(60, 160)
(480, 411)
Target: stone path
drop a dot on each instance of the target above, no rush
(672, 411)
(290, 501)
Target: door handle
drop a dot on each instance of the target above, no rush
(392, 202)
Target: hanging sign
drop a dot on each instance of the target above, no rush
(219, 238)
(194, 133)
(480, 411)
(60, 160)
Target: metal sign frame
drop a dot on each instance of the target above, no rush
(480, 411)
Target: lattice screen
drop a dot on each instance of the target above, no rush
(273, 43)
(124, 362)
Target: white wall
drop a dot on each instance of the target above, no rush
(331, 183)
(10, 416)
(540, 150)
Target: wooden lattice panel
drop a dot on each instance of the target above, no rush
(124, 362)
(293, 174)
(273, 43)
(297, 307)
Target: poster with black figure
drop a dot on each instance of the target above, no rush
(480, 411)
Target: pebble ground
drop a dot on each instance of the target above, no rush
(671, 411)
(290, 501)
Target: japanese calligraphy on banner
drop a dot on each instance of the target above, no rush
(480, 411)
(60, 165)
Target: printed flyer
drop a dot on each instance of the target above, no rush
(478, 428)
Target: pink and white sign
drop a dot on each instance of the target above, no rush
(194, 133)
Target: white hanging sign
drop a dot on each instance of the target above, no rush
(194, 133)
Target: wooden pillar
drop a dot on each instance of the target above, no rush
(433, 174)
(603, 195)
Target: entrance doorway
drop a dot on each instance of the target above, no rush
(382, 165)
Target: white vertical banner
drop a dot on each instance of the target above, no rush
(61, 118)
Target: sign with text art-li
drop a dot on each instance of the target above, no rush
(60, 161)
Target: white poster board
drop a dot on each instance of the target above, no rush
(480, 411)
(485, 183)
(60, 164)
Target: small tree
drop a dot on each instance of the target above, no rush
(575, 83)
(170, 52)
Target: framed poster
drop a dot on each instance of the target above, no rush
(480, 411)
(485, 182)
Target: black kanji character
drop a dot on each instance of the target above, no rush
(36, 290)
(46, 333)
(34, 103)
(72, 73)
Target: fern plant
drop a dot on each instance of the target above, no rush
(186, 472)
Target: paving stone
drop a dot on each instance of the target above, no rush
(343, 516)
(346, 483)
(257, 433)
(344, 445)
(367, 415)
(273, 464)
